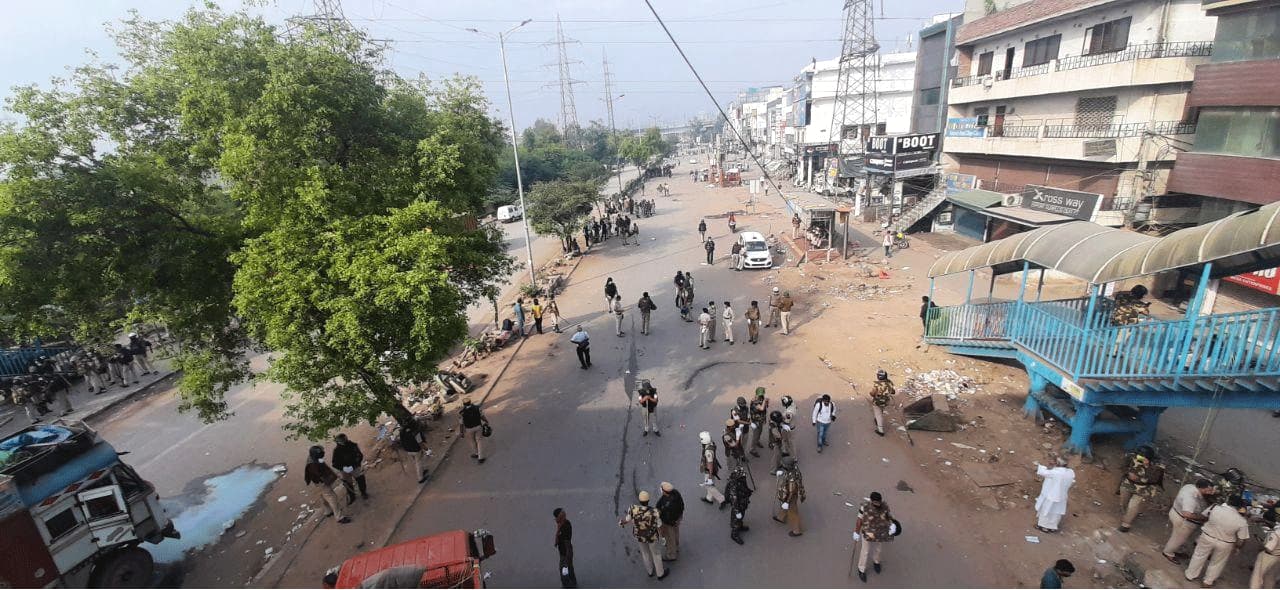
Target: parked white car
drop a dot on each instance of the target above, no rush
(509, 213)
(755, 250)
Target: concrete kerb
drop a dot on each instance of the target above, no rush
(113, 404)
(314, 522)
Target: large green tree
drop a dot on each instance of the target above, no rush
(560, 207)
(645, 149)
(244, 186)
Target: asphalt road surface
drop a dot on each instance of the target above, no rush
(572, 438)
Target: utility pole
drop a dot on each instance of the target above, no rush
(608, 101)
(855, 100)
(568, 112)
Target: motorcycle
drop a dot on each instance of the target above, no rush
(451, 381)
(733, 224)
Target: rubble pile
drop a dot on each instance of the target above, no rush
(858, 291)
(942, 381)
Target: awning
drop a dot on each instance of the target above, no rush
(1025, 216)
(1239, 243)
(976, 199)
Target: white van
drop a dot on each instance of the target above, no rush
(755, 250)
(509, 213)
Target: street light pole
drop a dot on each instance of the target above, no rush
(515, 151)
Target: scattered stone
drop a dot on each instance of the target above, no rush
(282, 498)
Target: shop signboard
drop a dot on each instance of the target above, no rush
(957, 182)
(965, 127)
(902, 144)
(1077, 204)
(1266, 280)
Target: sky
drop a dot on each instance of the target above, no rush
(733, 45)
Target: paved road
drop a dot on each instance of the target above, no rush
(572, 438)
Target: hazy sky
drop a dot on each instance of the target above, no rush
(734, 45)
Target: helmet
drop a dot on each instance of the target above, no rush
(759, 392)
(133, 334)
(788, 462)
(704, 437)
(316, 451)
(1146, 451)
(775, 289)
(738, 472)
(742, 401)
(775, 417)
(882, 374)
(1233, 475)
(786, 401)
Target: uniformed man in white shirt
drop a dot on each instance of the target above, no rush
(704, 329)
(1270, 554)
(1186, 515)
(728, 316)
(1224, 531)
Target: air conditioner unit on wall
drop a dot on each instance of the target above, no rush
(1012, 201)
(986, 81)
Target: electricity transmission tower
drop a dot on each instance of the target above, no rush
(855, 100)
(608, 88)
(568, 112)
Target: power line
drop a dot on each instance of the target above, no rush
(641, 21)
(645, 42)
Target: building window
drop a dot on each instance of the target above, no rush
(1107, 37)
(984, 62)
(1251, 132)
(1095, 111)
(930, 96)
(1248, 35)
(1041, 51)
(980, 113)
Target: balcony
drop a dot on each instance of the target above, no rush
(1067, 139)
(1136, 65)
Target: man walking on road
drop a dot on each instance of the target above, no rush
(649, 407)
(709, 467)
(702, 230)
(537, 311)
(583, 342)
(617, 310)
(784, 311)
(646, 522)
(349, 462)
(790, 495)
(729, 316)
(710, 247)
(610, 292)
(795, 225)
(679, 283)
(753, 323)
(1051, 504)
(873, 528)
(824, 413)
(564, 546)
(413, 441)
(471, 423)
(735, 255)
(322, 476)
(682, 304)
(646, 306)
(779, 441)
(887, 242)
(881, 390)
(774, 318)
(554, 310)
(1143, 479)
(518, 309)
(671, 511)
(732, 446)
(738, 494)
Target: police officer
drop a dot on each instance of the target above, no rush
(649, 407)
(880, 392)
(738, 493)
(710, 247)
(741, 414)
(779, 440)
(709, 467)
(732, 447)
(873, 528)
(758, 413)
(645, 521)
(790, 495)
(319, 474)
(349, 462)
(1143, 479)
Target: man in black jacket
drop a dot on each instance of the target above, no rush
(670, 510)
(564, 545)
(349, 462)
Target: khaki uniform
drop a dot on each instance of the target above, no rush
(791, 493)
(709, 467)
(1266, 561)
(784, 311)
(880, 393)
(874, 528)
(759, 415)
(773, 311)
(1189, 500)
(753, 324)
(1217, 540)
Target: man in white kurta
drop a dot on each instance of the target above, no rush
(1051, 506)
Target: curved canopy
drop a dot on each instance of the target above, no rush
(1242, 242)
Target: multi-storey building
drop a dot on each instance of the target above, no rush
(1074, 101)
(934, 73)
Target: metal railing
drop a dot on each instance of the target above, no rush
(1019, 131)
(1139, 51)
(1073, 62)
(974, 321)
(1116, 130)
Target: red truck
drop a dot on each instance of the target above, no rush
(445, 560)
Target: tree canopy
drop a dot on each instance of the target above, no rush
(247, 187)
(644, 149)
(560, 207)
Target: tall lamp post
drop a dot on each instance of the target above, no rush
(515, 151)
(614, 131)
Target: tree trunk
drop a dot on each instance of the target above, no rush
(388, 396)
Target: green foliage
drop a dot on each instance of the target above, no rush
(546, 155)
(560, 207)
(244, 186)
(645, 149)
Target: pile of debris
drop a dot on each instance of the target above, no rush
(945, 382)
